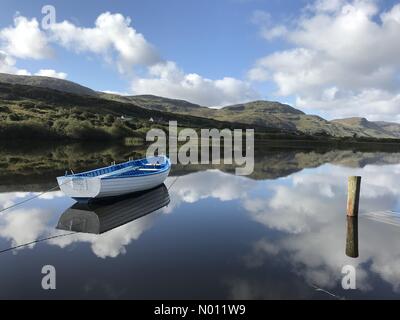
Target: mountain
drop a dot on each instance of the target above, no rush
(32, 112)
(277, 115)
(155, 103)
(272, 116)
(370, 128)
(266, 114)
(47, 82)
(392, 127)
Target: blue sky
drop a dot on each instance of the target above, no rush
(239, 50)
(213, 38)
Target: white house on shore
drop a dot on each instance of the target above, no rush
(124, 118)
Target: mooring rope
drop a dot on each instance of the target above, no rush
(176, 179)
(388, 217)
(27, 200)
(52, 237)
(36, 241)
(327, 292)
(51, 189)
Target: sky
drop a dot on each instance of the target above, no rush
(333, 58)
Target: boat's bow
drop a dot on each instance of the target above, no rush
(80, 187)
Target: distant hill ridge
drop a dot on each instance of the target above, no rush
(264, 106)
(47, 82)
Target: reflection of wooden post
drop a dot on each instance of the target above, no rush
(352, 237)
(353, 196)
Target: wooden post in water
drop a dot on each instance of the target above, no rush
(353, 196)
(352, 237)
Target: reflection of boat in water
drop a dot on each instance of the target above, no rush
(118, 179)
(103, 215)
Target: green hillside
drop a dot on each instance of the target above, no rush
(59, 108)
(33, 112)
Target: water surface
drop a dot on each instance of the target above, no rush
(278, 234)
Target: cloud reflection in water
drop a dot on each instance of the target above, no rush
(303, 216)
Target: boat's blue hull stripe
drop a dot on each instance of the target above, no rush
(132, 173)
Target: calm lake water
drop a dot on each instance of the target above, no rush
(278, 234)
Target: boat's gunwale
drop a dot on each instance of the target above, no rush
(168, 166)
(83, 174)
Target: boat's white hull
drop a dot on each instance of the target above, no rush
(76, 187)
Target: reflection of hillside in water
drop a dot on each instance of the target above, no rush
(35, 168)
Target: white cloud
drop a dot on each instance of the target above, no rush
(267, 29)
(110, 244)
(314, 223)
(116, 92)
(7, 65)
(111, 35)
(351, 46)
(167, 80)
(376, 104)
(260, 17)
(258, 74)
(51, 73)
(14, 225)
(10, 198)
(114, 39)
(327, 5)
(392, 16)
(119, 43)
(28, 224)
(25, 40)
(275, 32)
(23, 72)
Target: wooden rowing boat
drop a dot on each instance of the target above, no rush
(117, 179)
